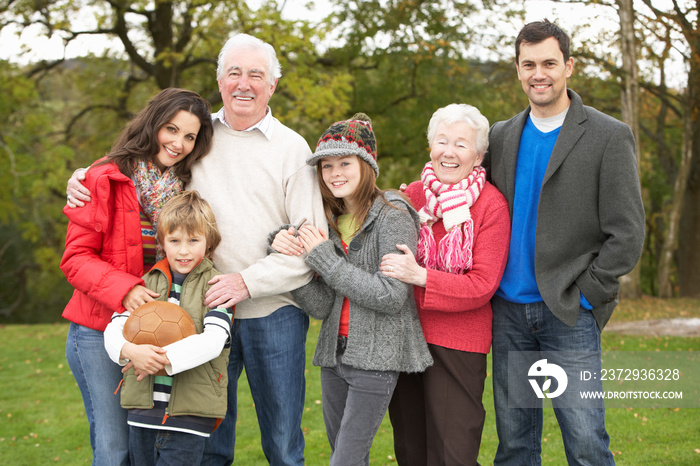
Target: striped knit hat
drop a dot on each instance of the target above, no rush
(348, 137)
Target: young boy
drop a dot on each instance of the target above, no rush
(171, 416)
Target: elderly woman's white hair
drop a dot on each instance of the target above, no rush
(469, 115)
(247, 41)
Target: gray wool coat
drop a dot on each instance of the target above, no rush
(590, 218)
(384, 331)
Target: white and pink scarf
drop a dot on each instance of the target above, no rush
(451, 203)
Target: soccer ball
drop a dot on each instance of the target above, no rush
(158, 323)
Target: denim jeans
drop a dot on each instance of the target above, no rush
(98, 377)
(533, 327)
(354, 404)
(153, 447)
(272, 350)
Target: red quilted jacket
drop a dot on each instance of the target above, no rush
(103, 259)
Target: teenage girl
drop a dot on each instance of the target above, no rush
(370, 330)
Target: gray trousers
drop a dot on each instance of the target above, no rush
(354, 404)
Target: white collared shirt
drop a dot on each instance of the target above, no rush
(264, 125)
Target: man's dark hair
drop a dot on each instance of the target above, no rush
(538, 31)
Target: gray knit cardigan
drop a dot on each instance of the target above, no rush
(384, 331)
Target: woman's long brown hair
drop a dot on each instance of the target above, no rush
(139, 140)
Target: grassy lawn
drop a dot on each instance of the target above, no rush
(42, 420)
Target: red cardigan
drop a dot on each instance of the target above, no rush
(455, 310)
(103, 259)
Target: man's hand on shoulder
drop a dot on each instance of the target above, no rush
(77, 194)
(226, 291)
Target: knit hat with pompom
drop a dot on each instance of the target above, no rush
(348, 137)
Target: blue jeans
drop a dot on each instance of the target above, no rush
(354, 404)
(533, 327)
(273, 351)
(98, 377)
(152, 447)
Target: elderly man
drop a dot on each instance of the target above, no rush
(256, 179)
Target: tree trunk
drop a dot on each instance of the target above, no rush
(630, 284)
(689, 231)
(689, 239)
(674, 218)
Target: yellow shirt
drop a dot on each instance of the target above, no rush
(348, 227)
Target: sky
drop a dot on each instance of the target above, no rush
(567, 16)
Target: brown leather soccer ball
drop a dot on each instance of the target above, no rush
(158, 323)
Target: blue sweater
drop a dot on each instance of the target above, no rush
(519, 284)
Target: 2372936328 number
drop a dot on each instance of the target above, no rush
(640, 374)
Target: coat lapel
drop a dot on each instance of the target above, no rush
(571, 132)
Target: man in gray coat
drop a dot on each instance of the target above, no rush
(569, 173)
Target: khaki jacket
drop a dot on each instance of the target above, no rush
(200, 391)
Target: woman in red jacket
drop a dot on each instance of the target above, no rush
(110, 244)
(438, 415)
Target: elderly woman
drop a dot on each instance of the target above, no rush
(438, 415)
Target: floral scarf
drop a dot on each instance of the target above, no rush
(154, 189)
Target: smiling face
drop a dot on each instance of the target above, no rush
(184, 250)
(543, 73)
(245, 86)
(342, 176)
(453, 152)
(176, 139)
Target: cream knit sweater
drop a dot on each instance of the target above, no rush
(254, 185)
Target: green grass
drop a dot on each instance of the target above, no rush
(42, 420)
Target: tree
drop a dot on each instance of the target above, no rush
(176, 43)
(162, 39)
(32, 171)
(630, 284)
(680, 23)
(661, 118)
(663, 32)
